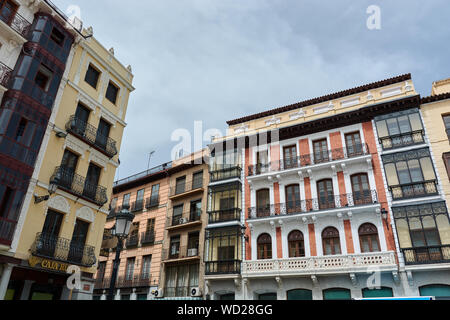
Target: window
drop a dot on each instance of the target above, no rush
(102, 134)
(151, 224)
(368, 238)
(446, 119)
(296, 244)
(92, 180)
(129, 269)
(197, 180)
(111, 92)
(264, 247)
(7, 10)
(326, 194)
(193, 244)
(320, 151)
(6, 200)
(267, 296)
(361, 189)
(138, 205)
(400, 129)
(154, 198)
(177, 215)
(353, 143)
(43, 77)
(174, 247)
(21, 129)
(146, 264)
(79, 123)
(331, 242)
(263, 203)
(423, 232)
(57, 36)
(446, 158)
(290, 157)
(50, 233)
(126, 200)
(262, 162)
(92, 76)
(410, 174)
(78, 241)
(68, 168)
(293, 203)
(195, 210)
(180, 186)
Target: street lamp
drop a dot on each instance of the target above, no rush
(384, 215)
(121, 229)
(51, 190)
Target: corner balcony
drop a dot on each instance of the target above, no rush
(225, 215)
(325, 265)
(222, 173)
(63, 250)
(7, 228)
(15, 25)
(414, 190)
(77, 185)
(223, 267)
(188, 188)
(91, 136)
(402, 140)
(315, 205)
(181, 255)
(427, 255)
(307, 161)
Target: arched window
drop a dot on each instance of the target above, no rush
(368, 238)
(293, 204)
(326, 194)
(361, 189)
(299, 294)
(263, 203)
(296, 244)
(264, 247)
(331, 242)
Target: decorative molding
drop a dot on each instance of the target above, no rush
(279, 282)
(410, 278)
(324, 108)
(58, 203)
(297, 115)
(86, 214)
(370, 96)
(99, 158)
(391, 92)
(354, 279)
(272, 121)
(314, 280)
(76, 145)
(241, 129)
(350, 102)
(407, 87)
(395, 277)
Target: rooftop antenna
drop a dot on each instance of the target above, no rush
(149, 157)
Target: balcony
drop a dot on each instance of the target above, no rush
(148, 237)
(314, 205)
(152, 202)
(77, 185)
(427, 255)
(225, 173)
(137, 206)
(90, 135)
(7, 228)
(134, 281)
(59, 249)
(413, 190)
(183, 253)
(102, 283)
(187, 188)
(223, 267)
(132, 241)
(337, 264)
(186, 219)
(17, 23)
(5, 74)
(225, 215)
(308, 160)
(402, 140)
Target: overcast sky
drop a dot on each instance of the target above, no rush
(217, 60)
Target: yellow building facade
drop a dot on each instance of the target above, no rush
(62, 220)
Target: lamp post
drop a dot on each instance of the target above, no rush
(121, 229)
(384, 214)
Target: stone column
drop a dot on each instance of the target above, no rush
(26, 289)
(6, 275)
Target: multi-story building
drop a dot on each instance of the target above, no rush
(164, 251)
(64, 120)
(323, 188)
(182, 258)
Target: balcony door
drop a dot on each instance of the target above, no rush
(293, 203)
(174, 247)
(264, 247)
(92, 179)
(7, 11)
(78, 241)
(68, 167)
(361, 189)
(195, 210)
(331, 242)
(354, 145)
(79, 124)
(326, 194)
(320, 151)
(290, 157)
(102, 133)
(262, 162)
(263, 203)
(180, 185)
(50, 233)
(227, 209)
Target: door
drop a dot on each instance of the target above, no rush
(78, 241)
(50, 232)
(102, 134)
(196, 210)
(326, 195)
(290, 157)
(361, 189)
(262, 162)
(320, 151)
(354, 146)
(293, 203)
(227, 209)
(79, 124)
(68, 168)
(92, 179)
(263, 203)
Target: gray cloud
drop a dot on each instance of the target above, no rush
(214, 60)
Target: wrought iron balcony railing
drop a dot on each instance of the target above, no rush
(310, 159)
(152, 202)
(102, 283)
(91, 135)
(220, 173)
(184, 218)
(172, 292)
(223, 267)
(413, 190)
(224, 215)
(311, 205)
(66, 179)
(18, 23)
(402, 140)
(187, 186)
(64, 250)
(180, 253)
(427, 255)
(7, 228)
(5, 74)
(148, 237)
(132, 241)
(137, 205)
